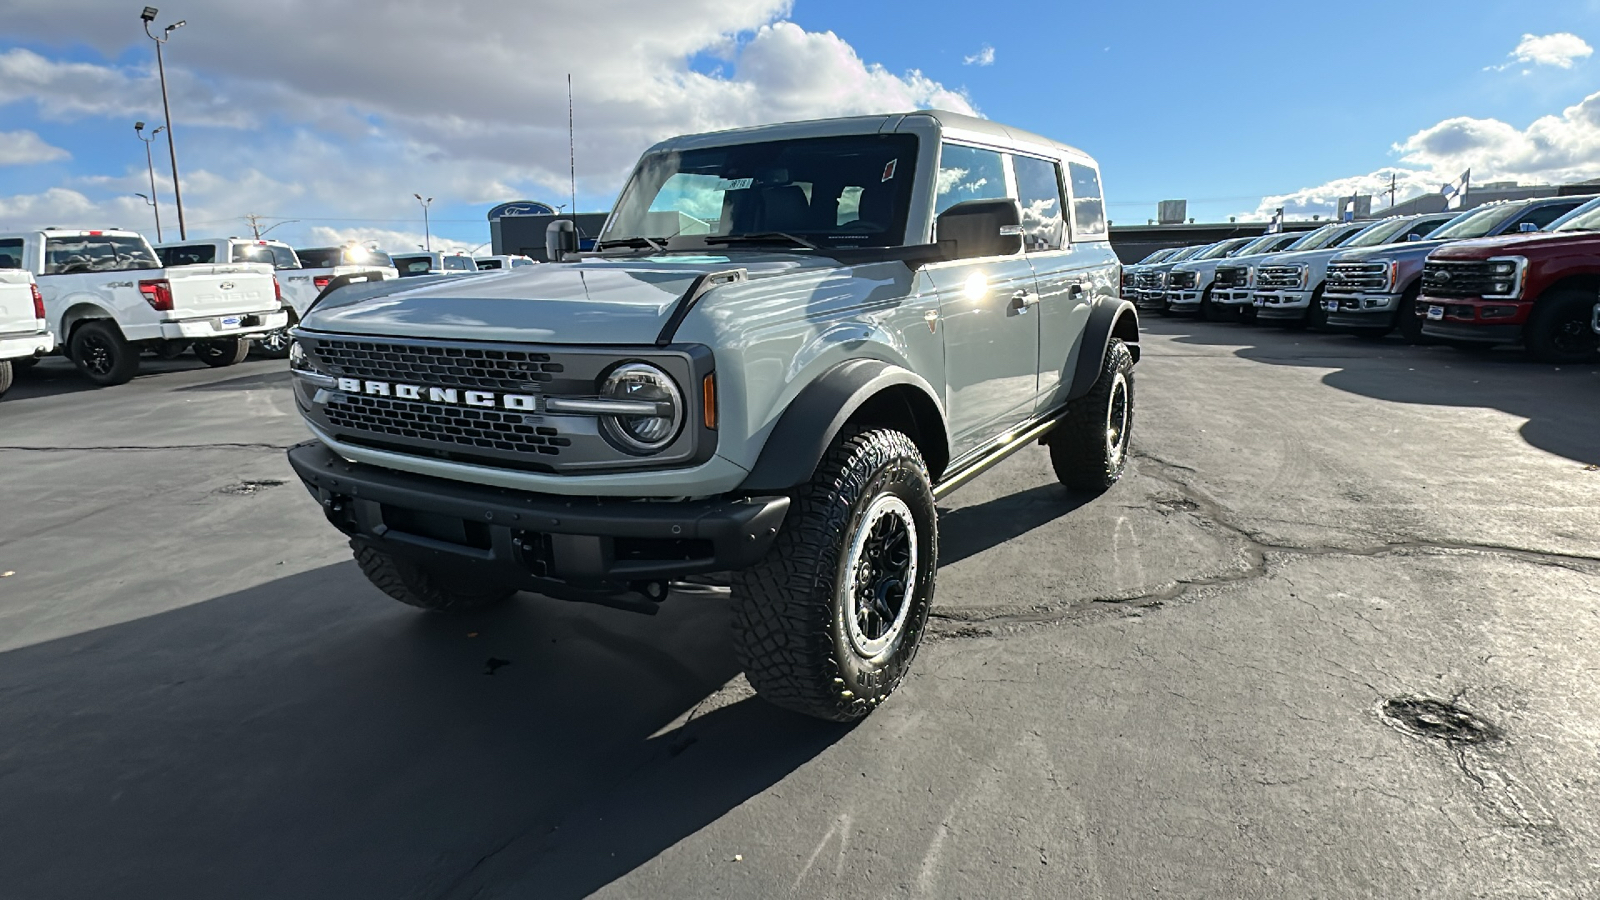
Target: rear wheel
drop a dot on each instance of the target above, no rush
(405, 581)
(223, 352)
(1089, 449)
(827, 624)
(102, 354)
(5, 376)
(1561, 328)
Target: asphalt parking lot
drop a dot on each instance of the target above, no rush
(1203, 684)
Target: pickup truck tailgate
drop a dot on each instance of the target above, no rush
(16, 304)
(214, 290)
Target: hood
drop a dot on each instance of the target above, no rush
(1533, 242)
(1400, 250)
(595, 301)
(1289, 259)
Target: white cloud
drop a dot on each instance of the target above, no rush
(1561, 50)
(1554, 149)
(984, 57)
(21, 148)
(347, 118)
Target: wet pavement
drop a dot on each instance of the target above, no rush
(1336, 635)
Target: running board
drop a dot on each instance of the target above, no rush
(996, 454)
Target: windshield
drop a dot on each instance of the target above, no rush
(1477, 223)
(1381, 233)
(1315, 239)
(1584, 218)
(1186, 253)
(486, 264)
(365, 256)
(1156, 257)
(1225, 248)
(413, 265)
(274, 255)
(852, 191)
(319, 257)
(97, 253)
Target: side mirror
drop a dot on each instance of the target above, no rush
(1527, 226)
(1413, 237)
(982, 228)
(560, 239)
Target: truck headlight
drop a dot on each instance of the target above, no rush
(1305, 273)
(1505, 276)
(1249, 277)
(643, 383)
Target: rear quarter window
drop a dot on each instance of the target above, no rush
(1088, 207)
(11, 254)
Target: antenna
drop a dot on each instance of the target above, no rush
(572, 155)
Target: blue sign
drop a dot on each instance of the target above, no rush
(521, 208)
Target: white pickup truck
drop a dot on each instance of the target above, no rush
(296, 287)
(107, 299)
(24, 334)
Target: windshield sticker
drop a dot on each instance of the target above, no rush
(733, 184)
(888, 170)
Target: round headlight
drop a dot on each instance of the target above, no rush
(643, 383)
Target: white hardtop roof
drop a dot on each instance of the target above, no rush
(952, 124)
(72, 232)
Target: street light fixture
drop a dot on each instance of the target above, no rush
(427, 234)
(149, 161)
(148, 16)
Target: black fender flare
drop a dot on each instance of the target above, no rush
(1109, 318)
(809, 426)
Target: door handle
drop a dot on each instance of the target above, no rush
(1021, 300)
(1075, 289)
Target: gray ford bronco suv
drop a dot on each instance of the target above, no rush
(789, 342)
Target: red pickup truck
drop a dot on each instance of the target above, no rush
(1538, 288)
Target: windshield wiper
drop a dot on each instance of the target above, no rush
(639, 242)
(761, 237)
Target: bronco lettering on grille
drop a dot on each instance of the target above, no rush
(481, 399)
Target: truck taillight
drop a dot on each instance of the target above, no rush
(321, 281)
(277, 289)
(158, 293)
(38, 302)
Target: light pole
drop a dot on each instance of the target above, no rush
(427, 235)
(151, 203)
(148, 16)
(150, 163)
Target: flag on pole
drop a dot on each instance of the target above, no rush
(1275, 225)
(1456, 191)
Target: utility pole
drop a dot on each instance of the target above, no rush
(148, 16)
(255, 224)
(1392, 183)
(150, 163)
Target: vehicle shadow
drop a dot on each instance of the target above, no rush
(970, 530)
(309, 738)
(54, 376)
(1558, 402)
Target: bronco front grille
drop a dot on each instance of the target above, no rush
(1458, 279)
(484, 429)
(466, 367)
(1354, 277)
(1277, 277)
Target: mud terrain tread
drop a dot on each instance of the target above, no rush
(413, 586)
(783, 605)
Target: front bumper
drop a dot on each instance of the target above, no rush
(1184, 301)
(1361, 310)
(1231, 296)
(1281, 304)
(531, 540)
(213, 327)
(1151, 299)
(23, 346)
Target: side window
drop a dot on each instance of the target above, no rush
(1043, 211)
(192, 255)
(1088, 209)
(11, 254)
(968, 173)
(1542, 215)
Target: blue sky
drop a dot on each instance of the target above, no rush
(1234, 106)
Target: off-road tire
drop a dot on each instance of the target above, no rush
(1316, 313)
(1085, 454)
(1560, 331)
(791, 612)
(102, 354)
(5, 376)
(222, 352)
(411, 585)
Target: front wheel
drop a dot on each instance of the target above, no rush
(410, 584)
(223, 352)
(1561, 328)
(1089, 449)
(5, 376)
(102, 354)
(827, 624)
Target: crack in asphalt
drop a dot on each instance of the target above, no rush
(135, 448)
(956, 623)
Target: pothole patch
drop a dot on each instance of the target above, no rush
(1438, 719)
(250, 488)
(1182, 504)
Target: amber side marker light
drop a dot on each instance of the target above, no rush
(708, 389)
